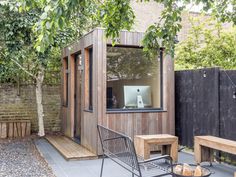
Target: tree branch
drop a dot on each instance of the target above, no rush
(22, 68)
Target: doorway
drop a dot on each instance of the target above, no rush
(77, 97)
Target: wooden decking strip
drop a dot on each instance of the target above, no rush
(69, 149)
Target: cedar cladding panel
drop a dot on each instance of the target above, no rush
(140, 123)
(128, 123)
(68, 111)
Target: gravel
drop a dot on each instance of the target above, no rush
(20, 158)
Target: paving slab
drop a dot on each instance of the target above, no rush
(91, 168)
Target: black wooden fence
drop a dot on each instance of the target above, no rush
(205, 104)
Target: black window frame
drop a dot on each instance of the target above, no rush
(142, 110)
(66, 72)
(90, 53)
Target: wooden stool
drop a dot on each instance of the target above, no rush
(168, 142)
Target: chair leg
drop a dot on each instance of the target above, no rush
(103, 158)
(132, 172)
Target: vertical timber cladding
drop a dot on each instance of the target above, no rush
(197, 104)
(88, 118)
(65, 91)
(141, 123)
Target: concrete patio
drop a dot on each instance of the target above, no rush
(91, 168)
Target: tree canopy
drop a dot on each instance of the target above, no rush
(208, 44)
(18, 41)
(115, 15)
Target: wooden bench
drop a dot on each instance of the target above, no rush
(15, 128)
(120, 149)
(169, 145)
(204, 146)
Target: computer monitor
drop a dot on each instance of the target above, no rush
(137, 96)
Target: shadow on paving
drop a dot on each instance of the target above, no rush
(91, 168)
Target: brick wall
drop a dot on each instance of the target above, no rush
(147, 13)
(23, 106)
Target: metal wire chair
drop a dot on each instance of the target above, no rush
(120, 148)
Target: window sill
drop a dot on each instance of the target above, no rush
(111, 111)
(86, 110)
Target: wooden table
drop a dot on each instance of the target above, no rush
(168, 142)
(204, 145)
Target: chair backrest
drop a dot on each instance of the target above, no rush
(119, 148)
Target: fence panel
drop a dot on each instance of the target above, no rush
(228, 108)
(205, 105)
(227, 105)
(184, 106)
(205, 102)
(196, 104)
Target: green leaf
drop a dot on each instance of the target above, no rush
(38, 48)
(61, 22)
(48, 25)
(43, 16)
(47, 8)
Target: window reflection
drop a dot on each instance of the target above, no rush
(133, 79)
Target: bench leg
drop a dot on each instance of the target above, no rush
(197, 151)
(207, 154)
(203, 154)
(103, 158)
(174, 150)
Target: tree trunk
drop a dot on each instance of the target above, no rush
(39, 95)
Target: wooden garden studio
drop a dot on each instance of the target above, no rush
(118, 87)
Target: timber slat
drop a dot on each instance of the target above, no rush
(69, 149)
(28, 125)
(18, 129)
(10, 130)
(23, 129)
(15, 133)
(4, 130)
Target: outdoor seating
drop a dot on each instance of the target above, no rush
(204, 145)
(120, 149)
(168, 143)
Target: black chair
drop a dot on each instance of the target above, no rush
(120, 148)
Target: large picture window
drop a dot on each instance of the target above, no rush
(134, 81)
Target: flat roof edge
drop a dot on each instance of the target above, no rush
(91, 31)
